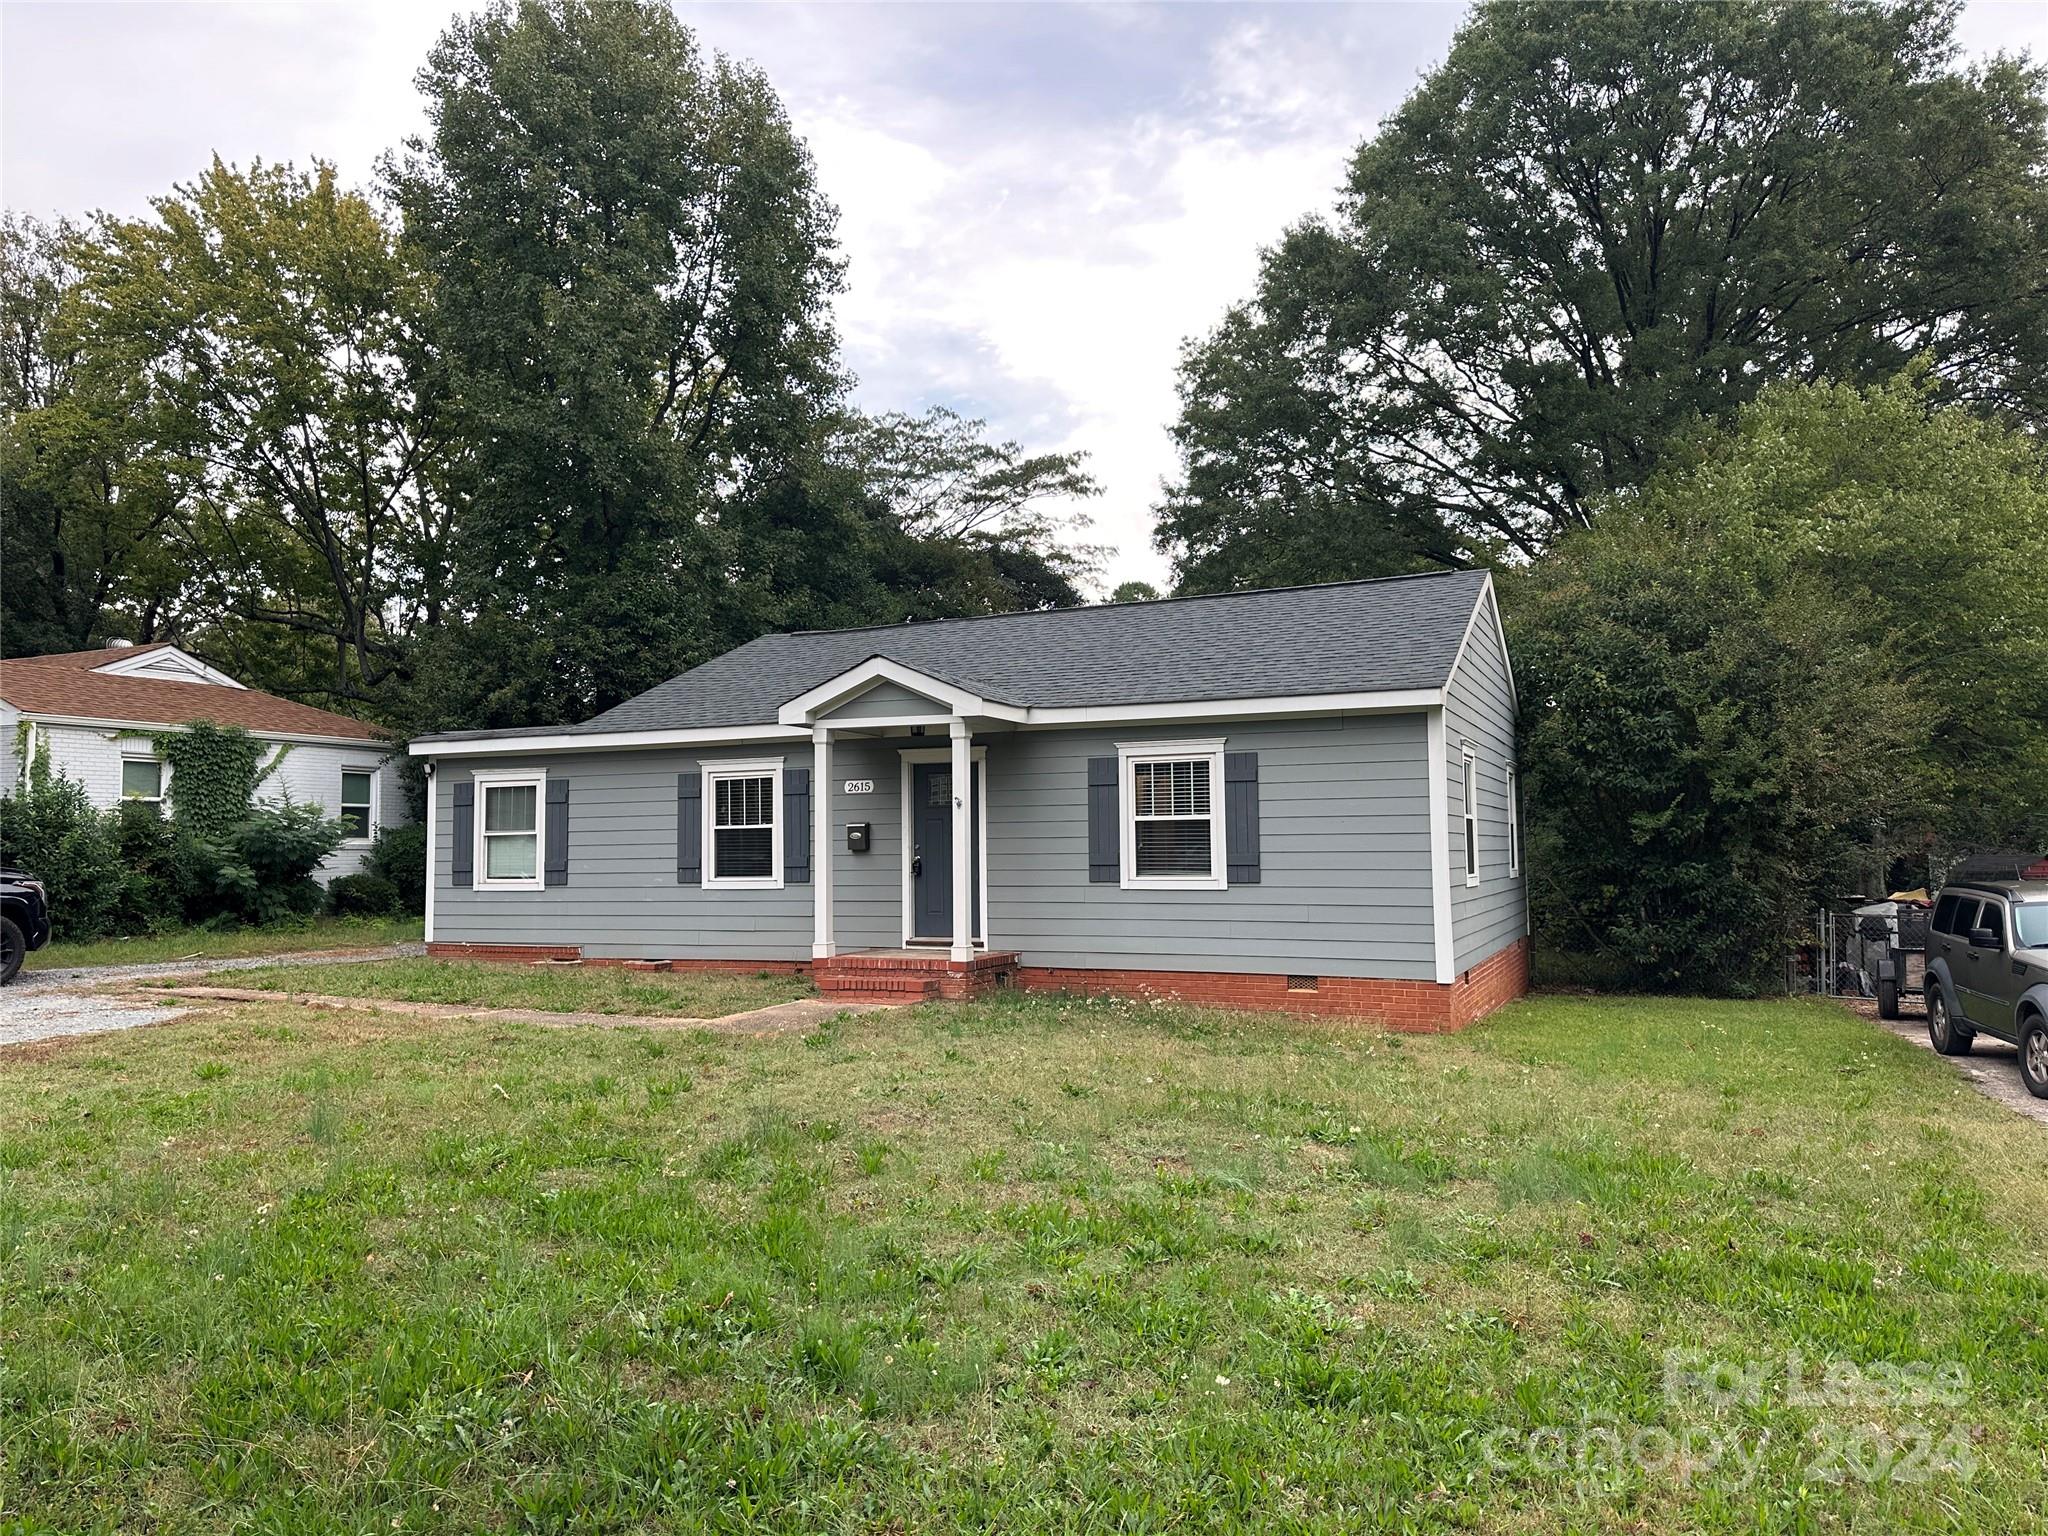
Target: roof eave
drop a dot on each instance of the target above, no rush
(261, 732)
(1277, 706)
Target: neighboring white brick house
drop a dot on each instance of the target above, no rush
(94, 713)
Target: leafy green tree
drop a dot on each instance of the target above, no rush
(1134, 592)
(1593, 227)
(632, 268)
(965, 523)
(84, 505)
(274, 323)
(1816, 645)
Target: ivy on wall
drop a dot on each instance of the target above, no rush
(213, 774)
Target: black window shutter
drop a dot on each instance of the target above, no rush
(557, 839)
(796, 826)
(689, 828)
(1241, 816)
(462, 863)
(1103, 839)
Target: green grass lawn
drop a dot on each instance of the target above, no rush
(230, 944)
(565, 989)
(1029, 1264)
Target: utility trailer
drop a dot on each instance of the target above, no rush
(1902, 969)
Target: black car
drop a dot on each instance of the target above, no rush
(24, 920)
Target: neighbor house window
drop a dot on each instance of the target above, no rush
(743, 808)
(358, 801)
(508, 812)
(1173, 818)
(1514, 828)
(142, 778)
(1471, 818)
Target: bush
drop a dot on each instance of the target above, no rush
(262, 871)
(56, 834)
(400, 856)
(148, 848)
(364, 895)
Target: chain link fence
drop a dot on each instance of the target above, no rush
(1842, 953)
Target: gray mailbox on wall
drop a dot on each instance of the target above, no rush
(856, 837)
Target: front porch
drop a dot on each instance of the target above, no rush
(940, 805)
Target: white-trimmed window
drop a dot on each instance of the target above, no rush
(1514, 827)
(1471, 816)
(508, 830)
(742, 825)
(359, 802)
(1172, 803)
(142, 778)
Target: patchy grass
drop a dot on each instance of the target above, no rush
(553, 989)
(231, 943)
(1030, 1264)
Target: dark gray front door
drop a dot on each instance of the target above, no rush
(931, 851)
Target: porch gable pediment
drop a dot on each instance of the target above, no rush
(883, 690)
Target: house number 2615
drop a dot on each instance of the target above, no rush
(860, 786)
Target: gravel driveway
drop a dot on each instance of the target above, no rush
(38, 1005)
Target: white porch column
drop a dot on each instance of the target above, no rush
(821, 843)
(963, 842)
(433, 794)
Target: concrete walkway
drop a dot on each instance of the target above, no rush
(795, 1017)
(75, 1000)
(1992, 1067)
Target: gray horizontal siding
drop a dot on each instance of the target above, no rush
(622, 899)
(1479, 708)
(1345, 887)
(887, 701)
(1344, 836)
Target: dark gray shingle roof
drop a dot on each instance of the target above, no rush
(1397, 633)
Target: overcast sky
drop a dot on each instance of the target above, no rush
(1038, 202)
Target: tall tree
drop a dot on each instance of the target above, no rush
(1813, 646)
(1593, 226)
(968, 523)
(271, 322)
(633, 265)
(83, 504)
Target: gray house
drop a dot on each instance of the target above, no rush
(1302, 798)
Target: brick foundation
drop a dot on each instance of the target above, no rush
(528, 954)
(1420, 1007)
(509, 952)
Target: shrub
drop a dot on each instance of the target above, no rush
(364, 895)
(262, 871)
(400, 856)
(54, 832)
(148, 849)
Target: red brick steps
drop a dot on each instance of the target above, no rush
(908, 975)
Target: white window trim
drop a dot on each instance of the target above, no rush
(163, 779)
(1129, 755)
(1468, 785)
(771, 769)
(481, 852)
(376, 796)
(1514, 827)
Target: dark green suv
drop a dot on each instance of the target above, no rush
(1987, 969)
